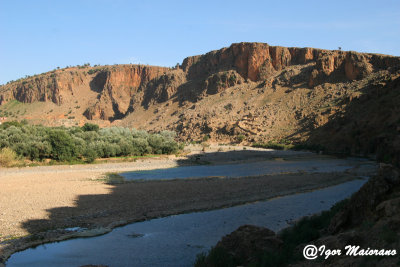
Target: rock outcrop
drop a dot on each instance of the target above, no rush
(256, 90)
(370, 202)
(257, 61)
(46, 87)
(253, 61)
(248, 240)
(117, 87)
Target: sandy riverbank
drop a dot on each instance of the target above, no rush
(36, 201)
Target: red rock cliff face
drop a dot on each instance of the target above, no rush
(245, 58)
(46, 87)
(120, 85)
(118, 81)
(121, 88)
(250, 60)
(256, 61)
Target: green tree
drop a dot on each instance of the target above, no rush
(90, 127)
(63, 147)
(90, 155)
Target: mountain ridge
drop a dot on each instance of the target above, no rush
(252, 61)
(255, 90)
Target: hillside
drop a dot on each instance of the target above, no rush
(262, 92)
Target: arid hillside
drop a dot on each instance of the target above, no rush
(253, 90)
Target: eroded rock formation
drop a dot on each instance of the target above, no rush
(253, 89)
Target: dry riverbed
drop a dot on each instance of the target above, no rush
(37, 204)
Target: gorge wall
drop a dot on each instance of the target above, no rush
(255, 90)
(251, 61)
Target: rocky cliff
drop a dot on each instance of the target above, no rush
(251, 61)
(258, 61)
(114, 85)
(252, 89)
(117, 87)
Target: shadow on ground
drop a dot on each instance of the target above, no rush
(137, 201)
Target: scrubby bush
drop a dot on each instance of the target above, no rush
(241, 138)
(63, 147)
(83, 143)
(228, 107)
(140, 146)
(274, 145)
(92, 71)
(90, 155)
(156, 142)
(90, 127)
(7, 157)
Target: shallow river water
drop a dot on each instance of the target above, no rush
(176, 240)
(246, 169)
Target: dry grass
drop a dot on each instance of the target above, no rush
(8, 157)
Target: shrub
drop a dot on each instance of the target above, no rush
(125, 148)
(90, 127)
(169, 147)
(156, 142)
(83, 143)
(232, 78)
(216, 257)
(240, 138)
(274, 145)
(36, 150)
(140, 146)
(228, 107)
(92, 71)
(63, 148)
(8, 124)
(169, 135)
(206, 138)
(90, 155)
(7, 157)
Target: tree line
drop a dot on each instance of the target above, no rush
(36, 142)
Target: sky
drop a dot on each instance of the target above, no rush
(37, 36)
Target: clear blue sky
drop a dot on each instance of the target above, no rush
(38, 35)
